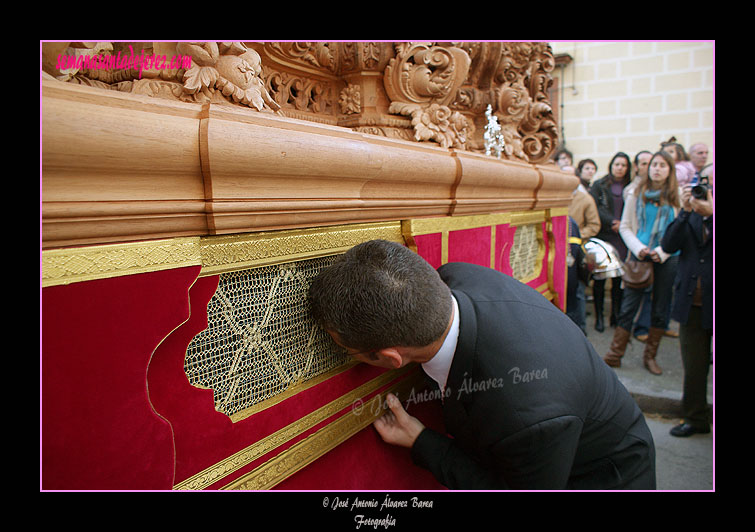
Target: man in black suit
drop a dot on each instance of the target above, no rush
(691, 234)
(528, 402)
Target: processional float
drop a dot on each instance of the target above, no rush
(187, 204)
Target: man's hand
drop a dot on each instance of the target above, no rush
(396, 426)
(703, 207)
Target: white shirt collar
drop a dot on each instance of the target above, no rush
(439, 366)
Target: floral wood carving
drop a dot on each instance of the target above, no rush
(435, 122)
(421, 81)
(523, 108)
(514, 79)
(228, 67)
(350, 100)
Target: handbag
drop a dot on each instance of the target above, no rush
(638, 274)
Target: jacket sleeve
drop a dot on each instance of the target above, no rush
(451, 466)
(628, 226)
(592, 219)
(675, 235)
(537, 457)
(604, 216)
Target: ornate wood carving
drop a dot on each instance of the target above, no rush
(245, 137)
(421, 91)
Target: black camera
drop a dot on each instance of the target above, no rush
(699, 189)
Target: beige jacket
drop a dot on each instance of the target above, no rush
(584, 211)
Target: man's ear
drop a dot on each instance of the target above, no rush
(393, 356)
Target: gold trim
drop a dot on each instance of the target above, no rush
(543, 289)
(444, 225)
(212, 474)
(552, 257)
(222, 254)
(306, 451)
(492, 246)
(426, 226)
(444, 247)
(289, 392)
(219, 254)
(527, 218)
(73, 265)
(215, 254)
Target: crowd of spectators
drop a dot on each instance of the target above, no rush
(655, 211)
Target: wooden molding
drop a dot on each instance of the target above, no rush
(120, 167)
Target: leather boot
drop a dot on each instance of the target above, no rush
(618, 346)
(597, 297)
(651, 350)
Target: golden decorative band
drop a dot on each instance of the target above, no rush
(324, 440)
(72, 265)
(236, 252)
(425, 226)
(205, 478)
(215, 254)
(218, 254)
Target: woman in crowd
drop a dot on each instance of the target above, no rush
(607, 192)
(586, 169)
(648, 211)
(563, 157)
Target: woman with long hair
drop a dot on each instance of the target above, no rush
(608, 194)
(648, 211)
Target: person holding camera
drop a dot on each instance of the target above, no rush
(691, 234)
(648, 211)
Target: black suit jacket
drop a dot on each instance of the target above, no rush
(685, 234)
(529, 403)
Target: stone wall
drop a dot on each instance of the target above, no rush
(630, 96)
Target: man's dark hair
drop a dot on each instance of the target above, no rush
(381, 294)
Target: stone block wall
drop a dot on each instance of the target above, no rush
(630, 96)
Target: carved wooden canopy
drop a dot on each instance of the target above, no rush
(420, 91)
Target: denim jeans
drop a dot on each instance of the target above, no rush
(663, 285)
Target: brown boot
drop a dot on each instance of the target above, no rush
(618, 346)
(651, 349)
